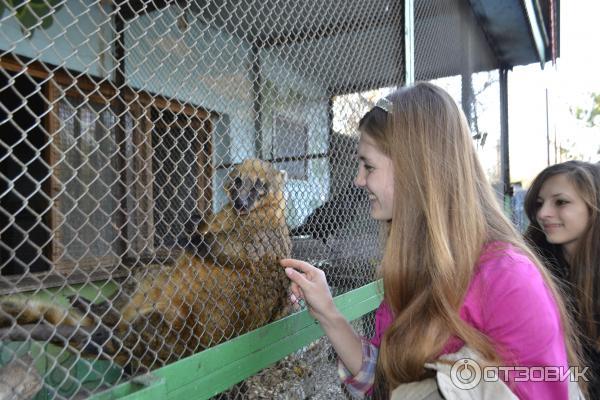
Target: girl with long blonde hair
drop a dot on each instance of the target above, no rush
(455, 272)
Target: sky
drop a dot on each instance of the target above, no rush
(580, 55)
(568, 84)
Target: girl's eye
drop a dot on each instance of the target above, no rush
(561, 202)
(539, 204)
(368, 168)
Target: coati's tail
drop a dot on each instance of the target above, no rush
(24, 319)
(27, 311)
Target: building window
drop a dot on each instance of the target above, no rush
(115, 180)
(290, 146)
(87, 192)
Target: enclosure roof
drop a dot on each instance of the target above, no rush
(452, 37)
(519, 31)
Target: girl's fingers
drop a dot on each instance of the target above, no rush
(296, 307)
(297, 278)
(302, 266)
(296, 291)
(305, 278)
(298, 302)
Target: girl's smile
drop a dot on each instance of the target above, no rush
(376, 176)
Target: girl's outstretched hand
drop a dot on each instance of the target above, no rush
(309, 284)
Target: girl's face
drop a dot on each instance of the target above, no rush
(376, 175)
(562, 213)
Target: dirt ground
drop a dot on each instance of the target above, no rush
(309, 373)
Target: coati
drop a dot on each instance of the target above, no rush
(227, 282)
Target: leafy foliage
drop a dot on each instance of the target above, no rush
(589, 115)
(32, 13)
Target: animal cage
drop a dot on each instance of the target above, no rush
(128, 129)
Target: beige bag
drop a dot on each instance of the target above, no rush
(445, 385)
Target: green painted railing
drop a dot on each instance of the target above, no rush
(208, 373)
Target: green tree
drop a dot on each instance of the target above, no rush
(591, 115)
(32, 13)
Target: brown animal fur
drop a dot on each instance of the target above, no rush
(229, 284)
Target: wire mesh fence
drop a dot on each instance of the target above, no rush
(158, 157)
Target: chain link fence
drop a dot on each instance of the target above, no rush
(137, 226)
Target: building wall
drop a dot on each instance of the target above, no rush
(179, 57)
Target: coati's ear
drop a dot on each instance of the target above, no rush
(284, 175)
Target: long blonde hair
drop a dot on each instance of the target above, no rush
(444, 213)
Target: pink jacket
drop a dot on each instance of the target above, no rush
(508, 301)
